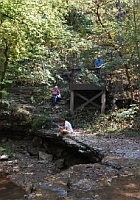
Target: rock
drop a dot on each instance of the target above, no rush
(37, 141)
(45, 145)
(32, 151)
(70, 143)
(60, 163)
(59, 152)
(45, 156)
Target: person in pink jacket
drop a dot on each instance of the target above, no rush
(56, 94)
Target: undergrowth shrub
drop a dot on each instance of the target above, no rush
(118, 121)
(41, 122)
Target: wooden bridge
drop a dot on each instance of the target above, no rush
(89, 94)
(89, 90)
(84, 92)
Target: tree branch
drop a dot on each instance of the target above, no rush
(100, 21)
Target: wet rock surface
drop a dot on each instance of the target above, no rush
(9, 190)
(71, 148)
(117, 174)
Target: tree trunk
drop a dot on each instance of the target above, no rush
(129, 81)
(5, 66)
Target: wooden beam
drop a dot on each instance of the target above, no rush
(72, 101)
(93, 98)
(103, 101)
(86, 87)
(86, 99)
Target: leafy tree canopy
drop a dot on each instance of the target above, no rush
(40, 38)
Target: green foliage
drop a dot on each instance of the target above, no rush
(128, 114)
(6, 149)
(80, 22)
(83, 119)
(5, 101)
(86, 76)
(41, 122)
(44, 38)
(50, 33)
(118, 121)
(17, 112)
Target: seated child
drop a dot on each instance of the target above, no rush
(65, 127)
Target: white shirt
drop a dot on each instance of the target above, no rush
(68, 126)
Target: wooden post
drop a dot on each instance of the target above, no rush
(103, 101)
(72, 101)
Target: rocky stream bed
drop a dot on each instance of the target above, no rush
(34, 172)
